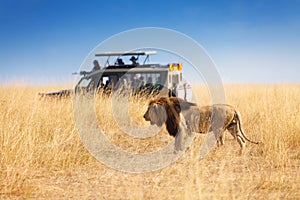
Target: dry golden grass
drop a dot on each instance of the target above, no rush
(43, 157)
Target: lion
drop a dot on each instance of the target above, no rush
(182, 118)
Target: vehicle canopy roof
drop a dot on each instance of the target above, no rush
(126, 53)
(130, 53)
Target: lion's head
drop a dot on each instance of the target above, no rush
(156, 113)
(166, 110)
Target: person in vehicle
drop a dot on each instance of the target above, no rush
(173, 91)
(95, 68)
(134, 60)
(158, 85)
(149, 83)
(120, 62)
(141, 81)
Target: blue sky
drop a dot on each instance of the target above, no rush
(256, 41)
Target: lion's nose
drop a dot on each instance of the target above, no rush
(146, 117)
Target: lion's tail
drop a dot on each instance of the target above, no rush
(239, 121)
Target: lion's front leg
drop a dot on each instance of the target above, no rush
(181, 136)
(179, 141)
(220, 140)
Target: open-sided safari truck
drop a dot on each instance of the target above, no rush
(132, 76)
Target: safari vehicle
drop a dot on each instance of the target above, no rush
(144, 78)
(131, 76)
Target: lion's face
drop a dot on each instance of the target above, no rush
(156, 113)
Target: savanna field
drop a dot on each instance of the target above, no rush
(42, 155)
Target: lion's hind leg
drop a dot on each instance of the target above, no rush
(234, 131)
